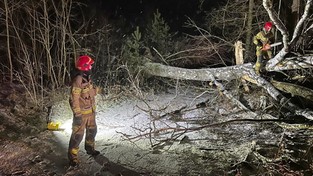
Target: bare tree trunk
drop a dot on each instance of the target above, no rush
(8, 38)
(249, 29)
(239, 60)
(206, 74)
(239, 53)
(229, 73)
(295, 10)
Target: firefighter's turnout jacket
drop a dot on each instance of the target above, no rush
(82, 102)
(260, 40)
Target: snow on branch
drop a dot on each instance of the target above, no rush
(267, 4)
(293, 63)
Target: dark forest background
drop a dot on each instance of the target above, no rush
(41, 38)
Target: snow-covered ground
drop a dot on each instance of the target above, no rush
(135, 134)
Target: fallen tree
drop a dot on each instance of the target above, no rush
(246, 71)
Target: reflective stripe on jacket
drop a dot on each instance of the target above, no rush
(261, 38)
(82, 98)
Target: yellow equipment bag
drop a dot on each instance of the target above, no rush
(53, 126)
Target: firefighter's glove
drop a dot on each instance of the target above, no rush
(77, 121)
(266, 47)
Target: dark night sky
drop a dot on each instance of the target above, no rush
(138, 12)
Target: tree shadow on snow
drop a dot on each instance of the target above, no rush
(113, 168)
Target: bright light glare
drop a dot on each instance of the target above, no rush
(67, 126)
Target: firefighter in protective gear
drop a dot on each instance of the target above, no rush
(82, 102)
(262, 40)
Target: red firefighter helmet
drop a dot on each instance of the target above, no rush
(268, 26)
(84, 63)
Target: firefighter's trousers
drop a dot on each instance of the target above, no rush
(261, 56)
(80, 124)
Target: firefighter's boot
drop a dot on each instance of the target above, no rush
(74, 163)
(93, 152)
(90, 149)
(258, 65)
(257, 68)
(72, 154)
(91, 132)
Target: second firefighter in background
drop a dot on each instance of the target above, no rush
(262, 40)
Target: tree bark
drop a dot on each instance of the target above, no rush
(294, 89)
(8, 38)
(249, 29)
(206, 74)
(212, 74)
(239, 60)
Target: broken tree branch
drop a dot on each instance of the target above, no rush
(293, 63)
(294, 89)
